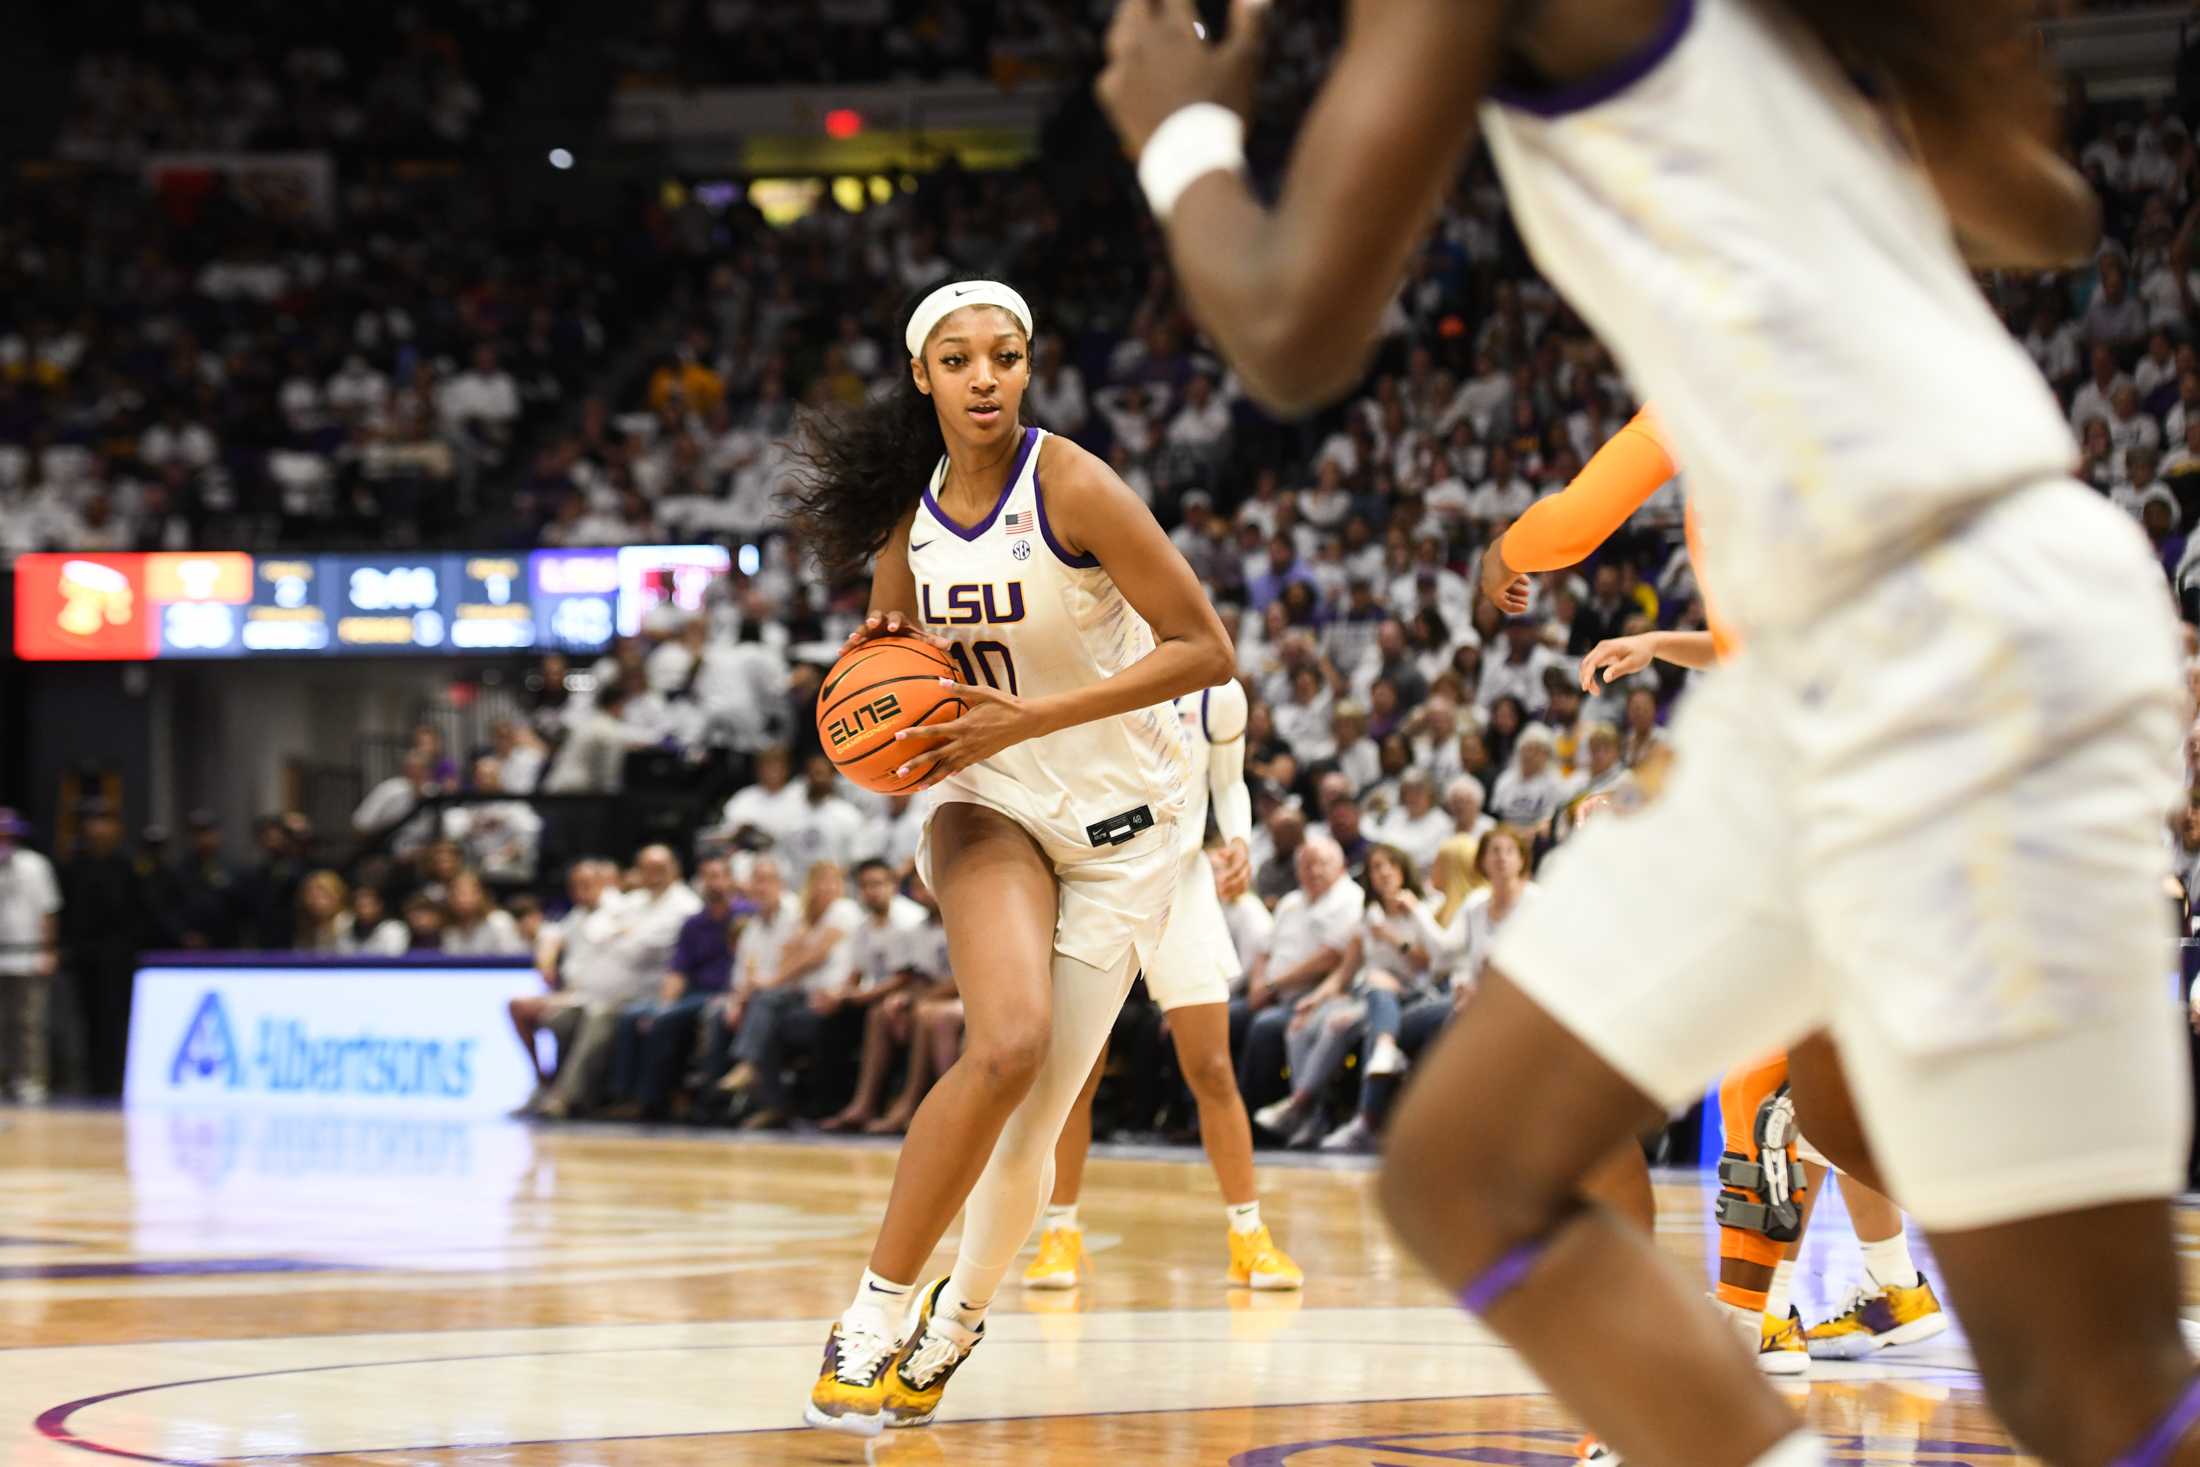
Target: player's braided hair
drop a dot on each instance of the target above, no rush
(859, 470)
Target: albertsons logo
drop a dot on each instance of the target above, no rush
(288, 1057)
(209, 1050)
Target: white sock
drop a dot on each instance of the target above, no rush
(881, 1297)
(1782, 1291)
(1748, 1324)
(1244, 1216)
(1800, 1450)
(1058, 1217)
(1889, 1264)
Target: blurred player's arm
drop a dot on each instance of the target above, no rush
(1223, 716)
(1621, 657)
(1294, 294)
(2015, 203)
(1564, 528)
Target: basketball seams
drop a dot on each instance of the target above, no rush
(828, 710)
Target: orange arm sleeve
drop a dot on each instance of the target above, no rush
(1563, 529)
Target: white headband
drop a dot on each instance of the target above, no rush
(951, 298)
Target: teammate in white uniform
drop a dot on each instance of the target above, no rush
(1927, 789)
(1051, 840)
(1190, 978)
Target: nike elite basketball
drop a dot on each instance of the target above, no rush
(875, 691)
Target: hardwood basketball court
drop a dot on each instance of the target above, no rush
(221, 1287)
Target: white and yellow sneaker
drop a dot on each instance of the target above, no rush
(1875, 1319)
(850, 1391)
(1061, 1260)
(1257, 1263)
(1781, 1349)
(918, 1376)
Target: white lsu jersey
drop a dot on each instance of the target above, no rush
(1747, 227)
(1026, 616)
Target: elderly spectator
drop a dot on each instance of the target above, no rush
(580, 969)
(656, 1037)
(813, 960)
(1529, 793)
(30, 936)
(1417, 826)
(1312, 926)
(755, 962)
(1463, 804)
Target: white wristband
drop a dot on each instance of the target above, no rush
(1192, 142)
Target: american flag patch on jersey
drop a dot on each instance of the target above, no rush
(1018, 523)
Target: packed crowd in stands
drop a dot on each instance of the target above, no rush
(187, 75)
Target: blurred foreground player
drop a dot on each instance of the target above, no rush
(1928, 786)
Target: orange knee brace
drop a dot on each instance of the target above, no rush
(1760, 1207)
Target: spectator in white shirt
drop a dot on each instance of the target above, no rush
(498, 837)
(2115, 318)
(814, 960)
(824, 826)
(369, 929)
(2128, 426)
(1463, 800)
(478, 927)
(578, 969)
(1516, 666)
(2158, 367)
(592, 761)
(2095, 399)
(890, 834)
(1202, 424)
(30, 934)
(1530, 792)
(1356, 756)
(390, 805)
(357, 392)
(1417, 827)
(483, 399)
(2054, 342)
(771, 806)
(1503, 497)
(1313, 924)
(2186, 409)
(1303, 719)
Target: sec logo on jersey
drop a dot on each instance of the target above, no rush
(1556, 1449)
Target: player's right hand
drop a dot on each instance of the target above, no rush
(889, 624)
(1616, 658)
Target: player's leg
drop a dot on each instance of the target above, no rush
(1061, 1238)
(949, 1319)
(1637, 976)
(1494, 1209)
(1763, 1202)
(1895, 1304)
(999, 901)
(1201, 1033)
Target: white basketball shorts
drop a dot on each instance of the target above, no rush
(1196, 959)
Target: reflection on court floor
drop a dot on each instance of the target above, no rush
(219, 1287)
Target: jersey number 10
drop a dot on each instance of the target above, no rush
(977, 664)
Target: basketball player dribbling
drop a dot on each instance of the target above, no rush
(1051, 841)
(1189, 978)
(1927, 787)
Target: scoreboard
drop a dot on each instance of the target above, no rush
(229, 604)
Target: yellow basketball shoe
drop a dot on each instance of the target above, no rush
(1876, 1319)
(1257, 1263)
(1061, 1260)
(1781, 1349)
(851, 1385)
(937, 1347)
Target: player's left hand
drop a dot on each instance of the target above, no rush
(991, 721)
(1506, 587)
(1233, 866)
(1160, 60)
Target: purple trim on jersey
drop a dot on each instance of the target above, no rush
(1504, 1276)
(1596, 90)
(1046, 531)
(1015, 472)
(1204, 731)
(2161, 1443)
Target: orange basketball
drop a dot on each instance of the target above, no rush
(876, 690)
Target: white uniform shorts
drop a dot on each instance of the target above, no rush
(1196, 959)
(1115, 900)
(1929, 824)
